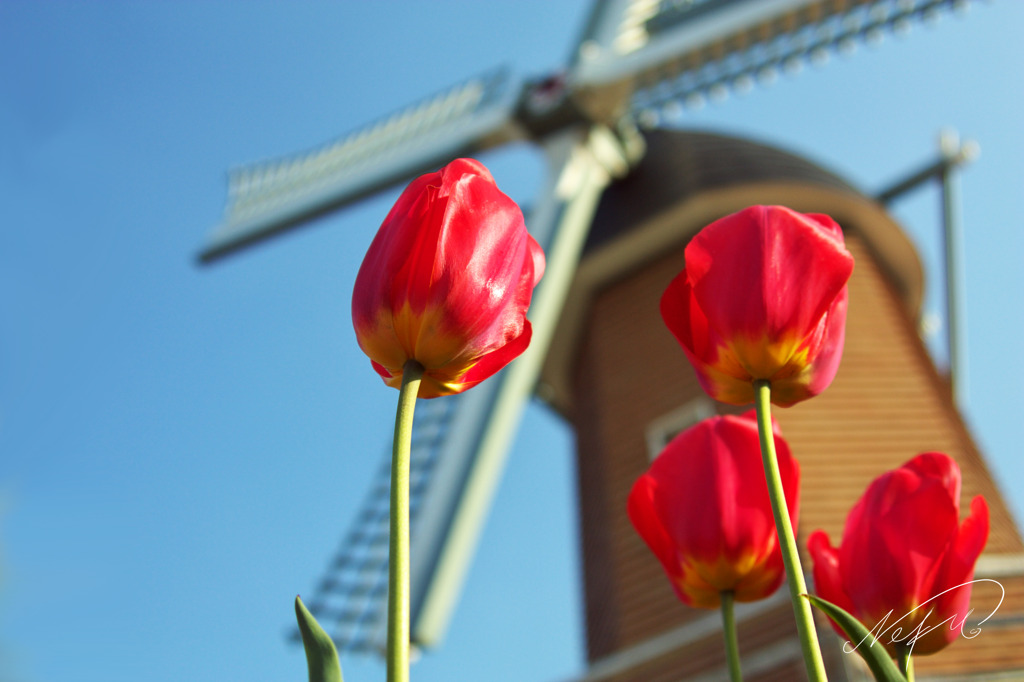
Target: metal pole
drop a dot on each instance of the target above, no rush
(954, 153)
(951, 155)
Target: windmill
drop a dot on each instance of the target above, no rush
(634, 59)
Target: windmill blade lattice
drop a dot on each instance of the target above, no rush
(268, 197)
(351, 600)
(759, 52)
(668, 55)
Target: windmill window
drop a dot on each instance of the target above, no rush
(666, 427)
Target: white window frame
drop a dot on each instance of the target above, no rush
(662, 430)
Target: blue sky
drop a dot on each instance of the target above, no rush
(182, 447)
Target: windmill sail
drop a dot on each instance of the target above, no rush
(350, 600)
(269, 197)
(639, 55)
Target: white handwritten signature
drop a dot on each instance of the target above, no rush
(896, 636)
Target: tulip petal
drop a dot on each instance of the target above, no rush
(828, 580)
(938, 467)
(969, 543)
(709, 484)
(489, 364)
(917, 531)
(642, 513)
(952, 590)
(799, 381)
(685, 320)
(719, 374)
(481, 234)
(767, 271)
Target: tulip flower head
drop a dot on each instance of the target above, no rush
(703, 509)
(447, 281)
(762, 296)
(904, 555)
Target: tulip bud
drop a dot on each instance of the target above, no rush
(905, 562)
(762, 296)
(703, 509)
(447, 281)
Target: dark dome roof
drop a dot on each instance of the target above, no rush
(680, 164)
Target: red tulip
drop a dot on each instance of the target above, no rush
(447, 281)
(703, 509)
(903, 552)
(762, 296)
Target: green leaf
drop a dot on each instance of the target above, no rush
(321, 656)
(877, 658)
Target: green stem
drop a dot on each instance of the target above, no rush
(790, 554)
(732, 645)
(398, 560)
(906, 663)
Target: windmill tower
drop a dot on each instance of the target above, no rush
(633, 57)
(886, 404)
